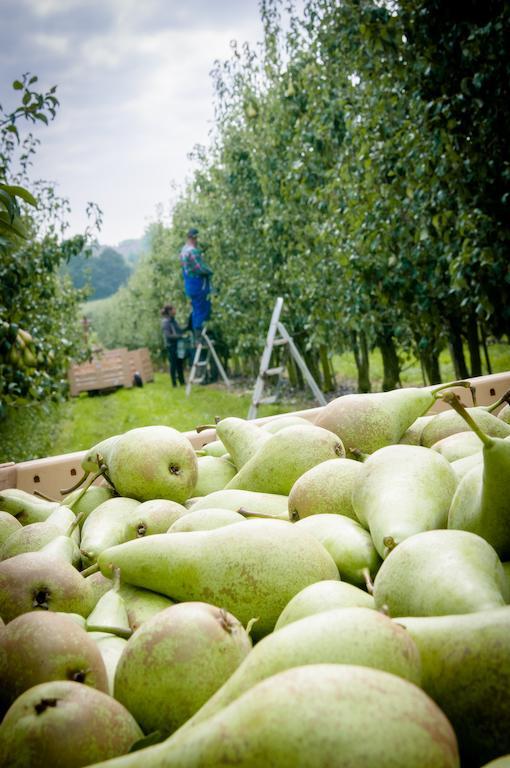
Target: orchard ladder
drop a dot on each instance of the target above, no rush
(200, 362)
(278, 336)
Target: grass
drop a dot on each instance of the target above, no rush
(50, 429)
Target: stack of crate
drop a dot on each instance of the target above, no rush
(109, 369)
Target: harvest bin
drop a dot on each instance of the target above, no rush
(50, 474)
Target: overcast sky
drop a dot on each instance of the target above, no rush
(135, 92)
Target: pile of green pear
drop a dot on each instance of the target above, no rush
(313, 592)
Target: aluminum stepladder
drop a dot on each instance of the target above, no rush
(278, 336)
(200, 364)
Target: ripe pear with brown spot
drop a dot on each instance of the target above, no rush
(285, 457)
(62, 723)
(325, 489)
(41, 646)
(182, 655)
(323, 596)
(251, 569)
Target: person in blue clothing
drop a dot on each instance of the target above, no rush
(197, 281)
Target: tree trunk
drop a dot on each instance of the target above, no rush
(485, 349)
(291, 370)
(474, 346)
(391, 366)
(457, 349)
(311, 360)
(327, 373)
(430, 362)
(361, 357)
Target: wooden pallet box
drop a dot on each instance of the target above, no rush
(140, 360)
(111, 368)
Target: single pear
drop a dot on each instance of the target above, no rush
(65, 548)
(111, 648)
(323, 596)
(106, 526)
(403, 490)
(98, 455)
(182, 655)
(437, 573)
(504, 413)
(252, 569)
(466, 670)
(37, 581)
(266, 504)
(358, 636)
(371, 421)
(41, 646)
(481, 503)
(213, 474)
(241, 438)
(142, 604)
(412, 435)
(8, 524)
(155, 516)
(462, 466)
(110, 612)
(286, 456)
(205, 520)
(99, 584)
(280, 422)
(326, 488)
(312, 717)
(348, 543)
(500, 762)
(26, 507)
(449, 423)
(34, 536)
(458, 446)
(62, 723)
(214, 448)
(82, 505)
(156, 462)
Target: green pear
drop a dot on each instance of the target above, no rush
(98, 584)
(214, 448)
(286, 456)
(35, 536)
(358, 636)
(500, 762)
(326, 488)
(449, 423)
(111, 648)
(403, 490)
(205, 520)
(37, 581)
(315, 716)
(323, 596)
(462, 466)
(41, 646)
(266, 504)
(504, 414)
(98, 455)
(481, 503)
(437, 573)
(458, 446)
(156, 462)
(82, 505)
(110, 612)
(26, 507)
(251, 569)
(155, 516)
(371, 421)
(241, 438)
(8, 524)
(142, 604)
(280, 422)
(62, 723)
(182, 655)
(466, 670)
(348, 543)
(107, 525)
(65, 548)
(412, 435)
(213, 474)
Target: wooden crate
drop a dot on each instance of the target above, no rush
(110, 368)
(140, 360)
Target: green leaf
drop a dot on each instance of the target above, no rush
(17, 85)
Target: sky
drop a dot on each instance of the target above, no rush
(133, 81)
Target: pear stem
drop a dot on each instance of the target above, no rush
(505, 398)
(94, 568)
(368, 581)
(82, 493)
(248, 513)
(450, 384)
(250, 624)
(358, 455)
(65, 491)
(203, 427)
(452, 399)
(118, 631)
(42, 496)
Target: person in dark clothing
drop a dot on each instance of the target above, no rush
(173, 333)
